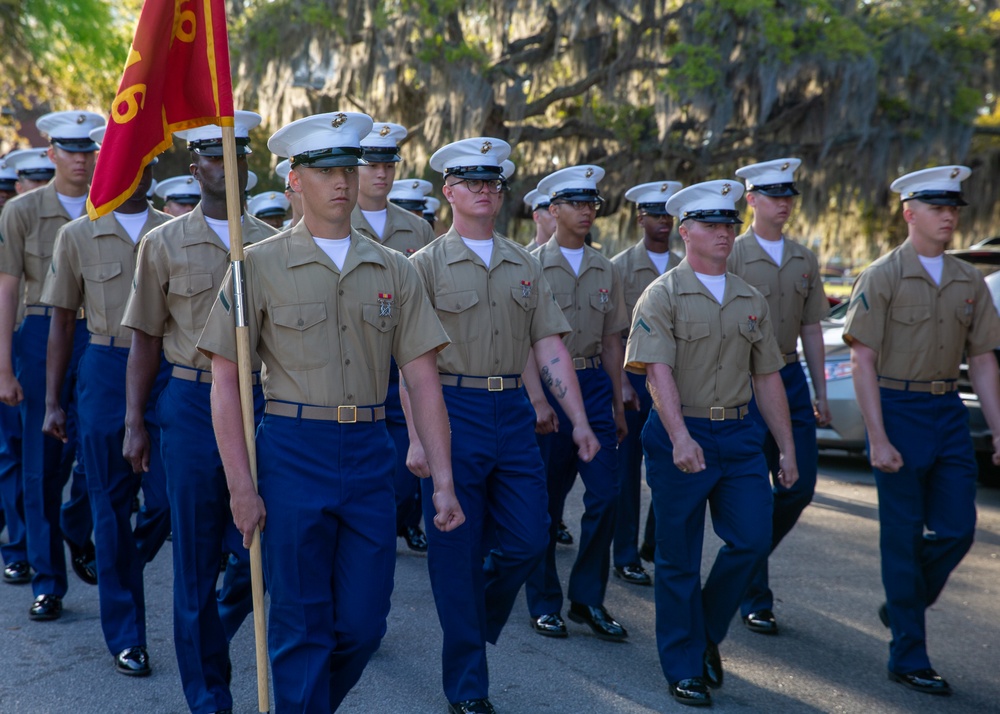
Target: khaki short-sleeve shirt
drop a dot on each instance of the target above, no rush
(178, 273)
(712, 349)
(325, 335)
(492, 314)
(637, 271)
(403, 232)
(28, 227)
(920, 329)
(92, 267)
(592, 302)
(794, 290)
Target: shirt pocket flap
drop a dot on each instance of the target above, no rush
(101, 272)
(601, 301)
(456, 302)
(527, 302)
(373, 315)
(301, 316)
(764, 289)
(563, 300)
(750, 330)
(191, 284)
(910, 314)
(690, 331)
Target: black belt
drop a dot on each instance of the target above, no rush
(348, 414)
(492, 384)
(716, 413)
(938, 386)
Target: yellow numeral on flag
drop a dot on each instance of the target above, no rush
(128, 97)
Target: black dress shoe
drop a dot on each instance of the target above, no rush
(762, 622)
(563, 536)
(550, 625)
(692, 692)
(133, 662)
(600, 621)
(472, 706)
(634, 574)
(712, 665)
(923, 680)
(46, 607)
(415, 538)
(17, 573)
(647, 552)
(883, 615)
(84, 561)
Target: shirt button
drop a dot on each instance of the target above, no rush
(343, 328)
(347, 361)
(496, 332)
(340, 292)
(350, 397)
(300, 323)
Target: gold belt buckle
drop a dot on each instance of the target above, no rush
(938, 387)
(348, 414)
(494, 384)
(717, 413)
(580, 363)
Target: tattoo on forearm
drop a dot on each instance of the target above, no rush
(554, 360)
(554, 384)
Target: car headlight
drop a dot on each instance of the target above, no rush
(841, 369)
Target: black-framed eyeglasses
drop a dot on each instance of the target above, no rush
(581, 205)
(477, 185)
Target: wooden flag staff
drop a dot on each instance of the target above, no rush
(234, 203)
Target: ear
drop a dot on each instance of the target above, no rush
(751, 198)
(51, 153)
(294, 182)
(448, 192)
(908, 214)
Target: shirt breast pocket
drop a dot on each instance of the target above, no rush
(750, 331)
(301, 335)
(600, 302)
(964, 315)
(529, 301)
(100, 286)
(188, 309)
(910, 325)
(456, 314)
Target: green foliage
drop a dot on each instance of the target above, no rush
(68, 50)
(697, 68)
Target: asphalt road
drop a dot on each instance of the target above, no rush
(829, 657)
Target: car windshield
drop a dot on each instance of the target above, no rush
(993, 283)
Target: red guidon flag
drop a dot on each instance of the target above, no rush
(176, 77)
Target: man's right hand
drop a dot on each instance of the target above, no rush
(885, 458)
(546, 421)
(688, 455)
(135, 448)
(11, 393)
(248, 515)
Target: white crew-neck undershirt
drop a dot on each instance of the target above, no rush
(933, 266)
(376, 219)
(660, 260)
(482, 248)
(335, 248)
(573, 256)
(716, 284)
(221, 228)
(132, 223)
(74, 205)
(774, 248)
